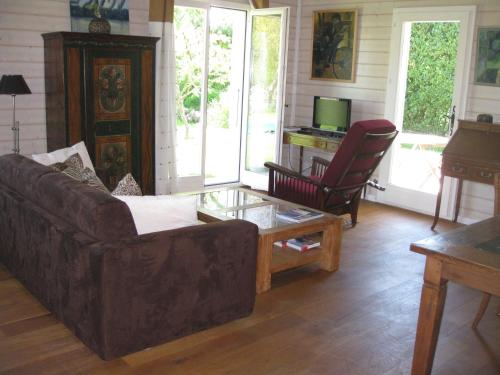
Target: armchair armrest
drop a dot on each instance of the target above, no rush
(164, 285)
(288, 172)
(319, 166)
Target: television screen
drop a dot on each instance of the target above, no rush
(332, 114)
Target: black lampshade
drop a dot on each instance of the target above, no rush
(14, 85)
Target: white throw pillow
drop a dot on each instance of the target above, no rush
(162, 212)
(58, 156)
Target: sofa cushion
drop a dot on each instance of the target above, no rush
(94, 212)
(161, 212)
(127, 186)
(74, 161)
(62, 154)
(73, 167)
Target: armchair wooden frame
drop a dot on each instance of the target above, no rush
(320, 195)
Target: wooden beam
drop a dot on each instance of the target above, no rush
(161, 10)
(259, 4)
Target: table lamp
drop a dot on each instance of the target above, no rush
(14, 85)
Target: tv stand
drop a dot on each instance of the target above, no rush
(320, 142)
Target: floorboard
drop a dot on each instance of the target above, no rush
(360, 320)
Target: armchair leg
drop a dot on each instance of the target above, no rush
(354, 209)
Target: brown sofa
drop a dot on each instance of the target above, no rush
(77, 250)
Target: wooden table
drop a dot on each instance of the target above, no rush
(473, 154)
(328, 144)
(240, 203)
(465, 256)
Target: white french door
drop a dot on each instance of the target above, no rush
(230, 69)
(264, 93)
(411, 169)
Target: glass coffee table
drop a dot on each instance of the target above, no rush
(260, 209)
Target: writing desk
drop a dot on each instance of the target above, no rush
(328, 144)
(470, 256)
(472, 154)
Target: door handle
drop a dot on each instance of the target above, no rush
(451, 117)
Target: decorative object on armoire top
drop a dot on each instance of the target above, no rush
(487, 71)
(100, 88)
(334, 44)
(103, 15)
(99, 24)
(485, 117)
(14, 85)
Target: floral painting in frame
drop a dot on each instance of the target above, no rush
(334, 44)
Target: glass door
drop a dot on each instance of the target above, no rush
(425, 97)
(226, 64)
(190, 45)
(215, 55)
(264, 93)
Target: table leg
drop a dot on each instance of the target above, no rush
(438, 201)
(331, 242)
(457, 199)
(264, 261)
(429, 317)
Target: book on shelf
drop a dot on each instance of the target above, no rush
(300, 244)
(298, 215)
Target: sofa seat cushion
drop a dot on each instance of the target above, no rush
(161, 212)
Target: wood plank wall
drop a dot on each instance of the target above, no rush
(369, 90)
(21, 52)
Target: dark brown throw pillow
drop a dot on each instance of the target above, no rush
(89, 177)
(73, 167)
(127, 186)
(74, 161)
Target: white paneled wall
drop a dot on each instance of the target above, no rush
(369, 89)
(21, 52)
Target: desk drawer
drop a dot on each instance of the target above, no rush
(483, 175)
(455, 169)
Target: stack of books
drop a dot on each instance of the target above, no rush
(298, 215)
(301, 244)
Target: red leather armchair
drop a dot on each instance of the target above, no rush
(336, 186)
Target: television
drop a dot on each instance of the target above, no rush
(332, 114)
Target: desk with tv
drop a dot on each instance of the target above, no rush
(323, 143)
(331, 119)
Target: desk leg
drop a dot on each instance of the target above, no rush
(429, 317)
(301, 158)
(458, 199)
(438, 201)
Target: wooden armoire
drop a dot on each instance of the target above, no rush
(100, 88)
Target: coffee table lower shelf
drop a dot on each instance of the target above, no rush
(284, 259)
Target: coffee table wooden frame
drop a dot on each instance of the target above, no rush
(271, 258)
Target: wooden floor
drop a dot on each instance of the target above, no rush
(360, 320)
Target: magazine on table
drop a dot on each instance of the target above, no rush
(300, 244)
(298, 215)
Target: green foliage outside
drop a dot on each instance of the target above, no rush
(265, 58)
(431, 72)
(190, 59)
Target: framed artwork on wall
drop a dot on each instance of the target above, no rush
(334, 44)
(487, 70)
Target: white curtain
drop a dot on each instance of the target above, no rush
(166, 171)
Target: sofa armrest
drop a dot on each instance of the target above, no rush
(164, 285)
